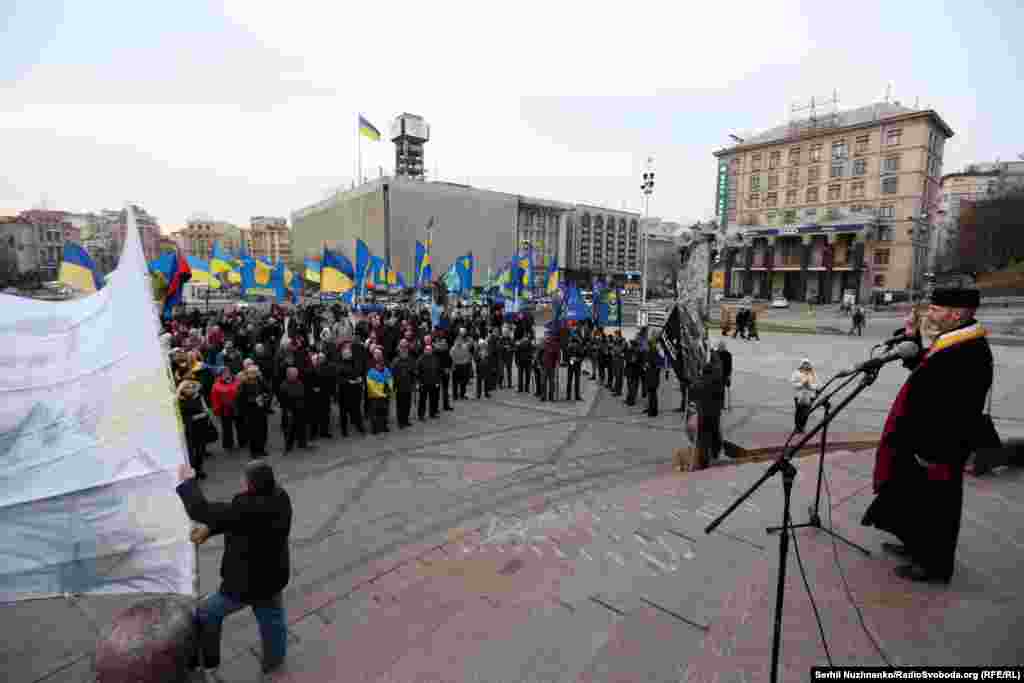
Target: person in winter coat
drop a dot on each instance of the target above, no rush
(256, 565)
(294, 395)
(552, 358)
(709, 394)
(462, 364)
(252, 403)
(428, 370)
(805, 382)
(351, 389)
(574, 355)
(196, 421)
(722, 357)
(506, 353)
(652, 378)
(222, 401)
(524, 359)
(380, 387)
(484, 367)
(403, 371)
(634, 369)
(230, 358)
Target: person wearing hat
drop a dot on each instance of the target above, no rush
(805, 382)
(933, 426)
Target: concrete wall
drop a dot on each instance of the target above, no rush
(465, 220)
(339, 221)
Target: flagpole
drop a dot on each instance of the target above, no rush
(359, 146)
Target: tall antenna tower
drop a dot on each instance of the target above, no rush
(821, 113)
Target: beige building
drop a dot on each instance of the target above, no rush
(268, 237)
(605, 243)
(197, 237)
(844, 202)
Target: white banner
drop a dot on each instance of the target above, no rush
(89, 440)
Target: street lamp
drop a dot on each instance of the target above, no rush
(915, 264)
(647, 187)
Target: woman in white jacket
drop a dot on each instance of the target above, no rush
(805, 382)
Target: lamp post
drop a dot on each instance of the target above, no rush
(647, 187)
(915, 262)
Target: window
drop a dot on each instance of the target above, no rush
(835, 192)
(754, 201)
(879, 281)
(791, 197)
(810, 214)
(891, 164)
(793, 176)
(789, 217)
(774, 159)
(860, 166)
(893, 137)
(755, 162)
(773, 181)
(890, 185)
(794, 155)
(884, 234)
(813, 174)
(771, 199)
(816, 152)
(772, 215)
(812, 194)
(837, 171)
(881, 257)
(839, 149)
(755, 182)
(863, 141)
(857, 189)
(887, 211)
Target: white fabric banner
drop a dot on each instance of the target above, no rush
(90, 438)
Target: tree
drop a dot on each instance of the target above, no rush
(991, 234)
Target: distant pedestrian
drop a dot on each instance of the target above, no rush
(805, 382)
(723, 357)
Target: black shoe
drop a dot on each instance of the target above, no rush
(912, 572)
(449, 408)
(896, 549)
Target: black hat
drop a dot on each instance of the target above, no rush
(956, 297)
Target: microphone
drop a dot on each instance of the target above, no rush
(904, 351)
(899, 338)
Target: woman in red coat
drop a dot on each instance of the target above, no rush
(222, 400)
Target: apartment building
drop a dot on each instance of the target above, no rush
(841, 203)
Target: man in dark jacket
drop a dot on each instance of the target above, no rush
(709, 393)
(652, 378)
(318, 381)
(722, 357)
(507, 352)
(429, 372)
(524, 359)
(351, 390)
(444, 358)
(934, 424)
(574, 354)
(256, 565)
(634, 368)
(294, 397)
(403, 370)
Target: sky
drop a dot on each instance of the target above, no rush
(244, 107)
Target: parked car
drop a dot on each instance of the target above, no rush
(780, 302)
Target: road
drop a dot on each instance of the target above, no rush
(363, 499)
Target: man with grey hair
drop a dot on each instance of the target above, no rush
(256, 565)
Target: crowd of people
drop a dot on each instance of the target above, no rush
(323, 369)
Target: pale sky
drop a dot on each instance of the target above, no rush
(245, 107)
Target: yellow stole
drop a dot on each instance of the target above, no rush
(955, 337)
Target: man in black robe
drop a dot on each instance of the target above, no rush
(933, 426)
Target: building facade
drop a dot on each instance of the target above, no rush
(543, 225)
(197, 237)
(268, 237)
(846, 203)
(605, 243)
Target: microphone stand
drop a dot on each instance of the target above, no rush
(815, 517)
(783, 466)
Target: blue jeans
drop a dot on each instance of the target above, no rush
(269, 614)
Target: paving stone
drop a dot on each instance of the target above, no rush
(49, 635)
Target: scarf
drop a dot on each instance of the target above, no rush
(886, 453)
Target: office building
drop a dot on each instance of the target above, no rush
(834, 203)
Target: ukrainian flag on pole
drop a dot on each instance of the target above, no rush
(368, 130)
(221, 260)
(551, 281)
(78, 270)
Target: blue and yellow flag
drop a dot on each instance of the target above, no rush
(368, 130)
(312, 270)
(524, 271)
(336, 274)
(201, 274)
(552, 279)
(243, 256)
(362, 266)
(379, 383)
(256, 278)
(221, 260)
(401, 283)
(464, 266)
(277, 281)
(424, 273)
(78, 270)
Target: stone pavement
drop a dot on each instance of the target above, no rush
(389, 516)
